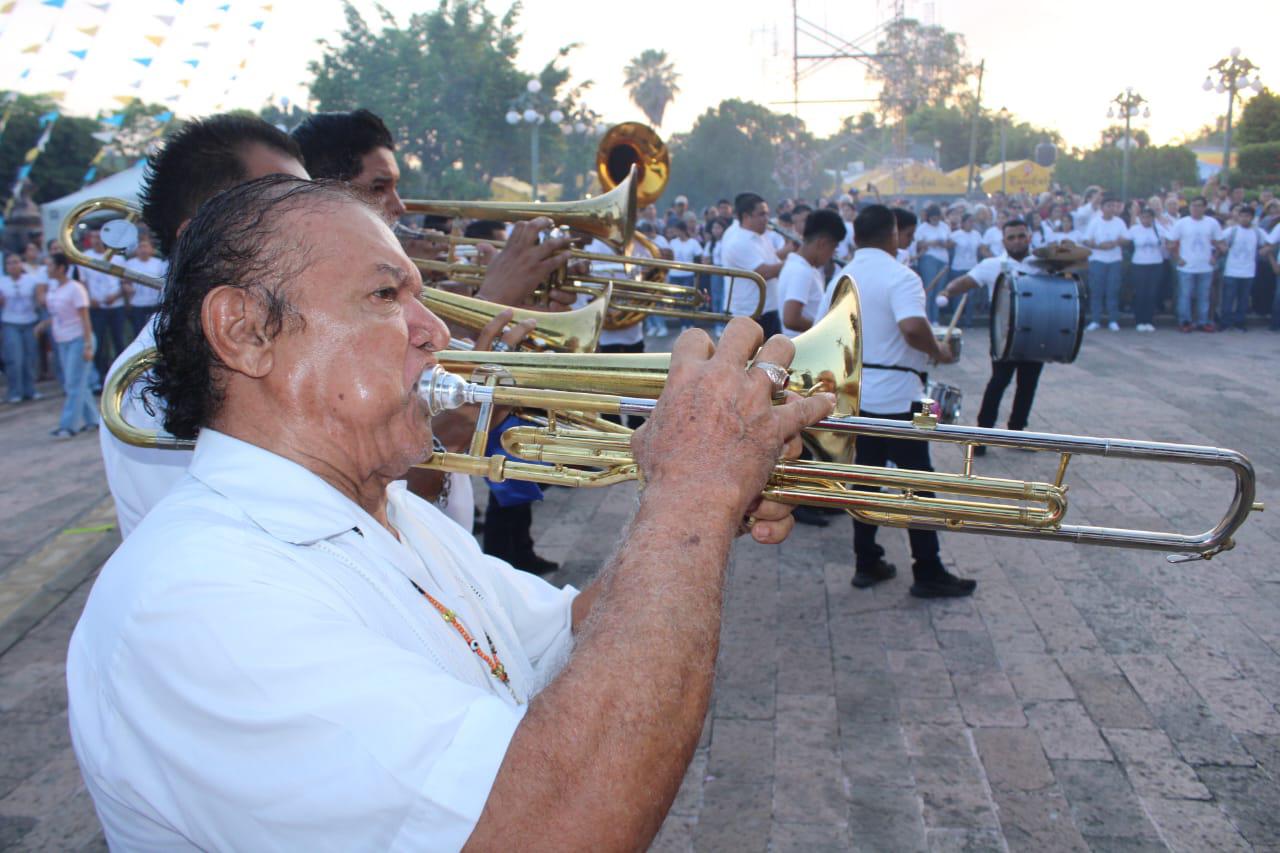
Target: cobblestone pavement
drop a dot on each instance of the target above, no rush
(1084, 698)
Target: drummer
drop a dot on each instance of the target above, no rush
(1017, 248)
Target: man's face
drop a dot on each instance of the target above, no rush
(31, 253)
(380, 175)
(1110, 209)
(650, 212)
(726, 210)
(13, 266)
(145, 249)
(758, 219)
(359, 295)
(1245, 217)
(95, 240)
(1016, 241)
(824, 249)
(846, 211)
(1197, 209)
(906, 236)
(798, 221)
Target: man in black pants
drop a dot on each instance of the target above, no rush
(1017, 246)
(898, 344)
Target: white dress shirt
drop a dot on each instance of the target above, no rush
(746, 250)
(143, 296)
(102, 288)
(254, 670)
(888, 293)
(800, 282)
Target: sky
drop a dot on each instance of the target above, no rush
(1050, 63)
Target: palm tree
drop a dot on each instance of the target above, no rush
(651, 81)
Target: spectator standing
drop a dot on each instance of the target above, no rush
(21, 294)
(1191, 247)
(1243, 241)
(1105, 237)
(143, 300)
(106, 308)
(68, 303)
(967, 243)
(747, 248)
(933, 240)
(1146, 267)
(1084, 214)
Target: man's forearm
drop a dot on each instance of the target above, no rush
(602, 750)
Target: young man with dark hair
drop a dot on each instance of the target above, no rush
(906, 222)
(1106, 237)
(1191, 243)
(746, 247)
(1017, 248)
(800, 281)
(897, 346)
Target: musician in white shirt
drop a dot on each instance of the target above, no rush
(1017, 244)
(800, 283)
(897, 345)
(747, 248)
(291, 654)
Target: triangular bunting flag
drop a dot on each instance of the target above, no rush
(31, 155)
(7, 8)
(124, 99)
(257, 25)
(243, 63)
(101, 7)
(156, 40)
(25, 170)
(48, 117)
(192, 62)
(267, 7)
(167, 20)
(184, 83)
(25, 73)
(116, 120)
(89, 31)
(136, 84)
(35, 48)
(214, 27)
(91, 174)
(57, 4)
(201, 44)
(79, 54)
(224, 7)
(144, 61)
(57, 96)
(106, 137)
(70, 75)
(172, 99)
(164, 117)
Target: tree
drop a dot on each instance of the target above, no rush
(919, 65)
(443, 85)
(1258, 164)
(1114, 135)
(651, 80)
(1260, 119)
(61, 166)
(1153, 168)
(741, 146)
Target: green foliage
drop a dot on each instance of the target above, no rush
(1260, 119)
(740, 146)
(1115, 133)
(919, 66)
(60, 168)
(1258, 164)
(651, 80)
(443, 84)
(1152, 168)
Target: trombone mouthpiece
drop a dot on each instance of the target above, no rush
(444, 392)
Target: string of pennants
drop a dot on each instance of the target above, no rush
(111, 126)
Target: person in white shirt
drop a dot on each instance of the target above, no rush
(897, 346)
(800, 285)
(747, 248)
(290, 653)
(906, 222)
(106, 306)
(966, 242)
(844, 252)
(685, 249)
(1084, 214)
(1105, 237)
(1146, 267)
(1017, 242)
(1242, 241)
(21, 296)
(933, 242)
(143, 300)
(1191, 245)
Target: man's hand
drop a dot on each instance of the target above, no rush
(715, 435)
(512, 335)
(945, 355)
(525, 263)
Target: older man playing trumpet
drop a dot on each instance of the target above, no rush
(289, 654)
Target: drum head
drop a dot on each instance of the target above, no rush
(1002, 318)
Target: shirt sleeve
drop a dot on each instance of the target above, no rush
(324, 729)
(906, 298)
(793, 284)
(986, 273)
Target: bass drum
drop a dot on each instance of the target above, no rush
(1036, 318)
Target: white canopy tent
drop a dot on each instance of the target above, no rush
(122, 185)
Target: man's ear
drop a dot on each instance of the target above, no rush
(234, 323)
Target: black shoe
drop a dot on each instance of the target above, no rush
(866, 576)
(810, 516)
(534, 565)
(943, 585)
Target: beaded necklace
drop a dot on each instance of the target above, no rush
(496, 669)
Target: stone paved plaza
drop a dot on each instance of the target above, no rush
(1083, 699)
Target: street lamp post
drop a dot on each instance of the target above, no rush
(1233, 75)
(533, 108)
(1004, 160)
(1128, 103)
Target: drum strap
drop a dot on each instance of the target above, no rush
(924, 377)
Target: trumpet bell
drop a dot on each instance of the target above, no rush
(561, 331)
(632, 144)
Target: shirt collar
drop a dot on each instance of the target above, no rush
(279, 495)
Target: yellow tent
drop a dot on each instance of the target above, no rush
(911, 179)
(507, 188)
(1019, 176)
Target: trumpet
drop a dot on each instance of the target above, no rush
(565, 448)
(564, 331)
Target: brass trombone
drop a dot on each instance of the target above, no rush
(568, 451)
(563, 331)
